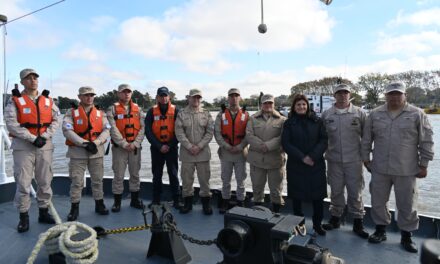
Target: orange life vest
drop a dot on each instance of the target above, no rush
(163, 125)
(36, 117)
(89, 127)
(234, 129)
(129, 123)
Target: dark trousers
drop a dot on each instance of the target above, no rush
(158, 161)
(318, 210)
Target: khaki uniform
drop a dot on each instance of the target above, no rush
(195, 127)
(231, 162)
(344, 159)
(401, 145)
(267, 166)
(121, 157)
(30, 160)
(80, 159)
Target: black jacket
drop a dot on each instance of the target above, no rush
(302, 136)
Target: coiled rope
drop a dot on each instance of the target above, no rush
(59, 239)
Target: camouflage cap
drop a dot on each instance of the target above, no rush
(86, 90)
(123, 87)
(395, 86)
(267, 98)
(341, 87)
(233, 91)
(195, 92)
(25, 72)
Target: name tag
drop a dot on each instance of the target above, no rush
(243, 117)
(46, 102)
(120, 116)
(76, 112)
(225, 122)
(156, 118)
(98, 114)
(79, 122)
(21, 101)
(26, 110)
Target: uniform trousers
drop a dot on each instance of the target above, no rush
(28, 163)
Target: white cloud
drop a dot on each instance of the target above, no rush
(409, 44)
(199, 33)
(81, 52)
(428, 17)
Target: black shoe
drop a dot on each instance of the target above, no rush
(206, 204)
(407, 243)
(333, 223)
(224, 207)
(258, 203)
(358, 228)
(176, 202)
(379, 235)
(23, 225)
(100, 207)
(117, 203)
(135, 202)
(240, 203)
(187, 207)
(318, 229)
(276, 207)
(45, 217)
(74, 212)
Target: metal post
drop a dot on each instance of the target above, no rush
(3, 135)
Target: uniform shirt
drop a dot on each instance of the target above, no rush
(194, 127)
(23, 139)
(344, 130)
(401, 144)
(224, 147)
(260, 130)
(78, 151)
(116, 135)
(150, 135)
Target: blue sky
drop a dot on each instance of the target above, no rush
(214, 45)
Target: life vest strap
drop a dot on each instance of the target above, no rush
(31, 125)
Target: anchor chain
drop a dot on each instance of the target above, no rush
(172, 226)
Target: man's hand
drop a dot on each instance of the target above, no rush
(195, 150)
(307, 160)
(39, 142)
(422, 173)
(367, 165)
(130, 147)
(90, 147)
(264, 148)
(164, 149)
(234, 150)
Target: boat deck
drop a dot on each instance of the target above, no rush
(132, 247)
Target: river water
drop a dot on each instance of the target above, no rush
(428, 202)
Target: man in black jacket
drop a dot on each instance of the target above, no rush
(159, 130)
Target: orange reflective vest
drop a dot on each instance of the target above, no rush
(129, 123)
(88, 126)
(36, 117)
(163, 125)
(234, 129)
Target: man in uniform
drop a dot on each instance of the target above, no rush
(159, 129)
(266, 156)
(403, 147)
(344, 123)
(230, 132)
(194, 130)
(31, 120)
(127, 134)
(86, 130)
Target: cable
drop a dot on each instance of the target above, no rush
(34, 11)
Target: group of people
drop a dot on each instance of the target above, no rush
(394, 142)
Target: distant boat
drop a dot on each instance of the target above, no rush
(433, 109)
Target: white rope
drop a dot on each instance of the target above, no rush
(58, 239)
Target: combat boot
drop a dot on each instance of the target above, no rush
(117, 203)
(206, 204)
(176, 202)
(333, 223)
(240, 203)
(23, 225)
(276, 207)
(100, 207)
(224, 206)
(135, 202)
(319, 230)
(74, 212)
(407, 243)
(358, 228)
(379, 235)
(187, 207)
(45, 217)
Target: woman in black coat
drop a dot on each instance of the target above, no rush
(304, 139)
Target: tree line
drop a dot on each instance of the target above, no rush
(423, 89)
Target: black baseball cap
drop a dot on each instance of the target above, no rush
(163, 91)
